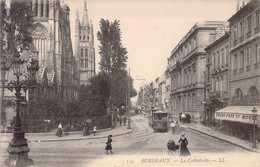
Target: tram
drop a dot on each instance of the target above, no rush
(160, 120)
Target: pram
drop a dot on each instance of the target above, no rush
(172, 147)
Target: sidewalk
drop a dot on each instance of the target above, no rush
(222, 136)
(68, 136)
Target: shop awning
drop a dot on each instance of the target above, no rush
(238, 114)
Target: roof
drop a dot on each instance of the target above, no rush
(239, 109)
(248, 8)
(225, 36)
(197, 26)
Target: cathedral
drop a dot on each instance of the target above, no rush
(58, 74)
(84, 47)
(52, 39)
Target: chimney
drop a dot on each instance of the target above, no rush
(243, 3)
(237, 5)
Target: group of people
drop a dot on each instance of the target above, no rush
(85, 130)
(183, 140)
(122, 119)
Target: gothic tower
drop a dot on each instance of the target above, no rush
(51, 38)
(84, 47)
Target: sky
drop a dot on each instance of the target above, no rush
(150, 28)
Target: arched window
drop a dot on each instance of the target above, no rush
(253, 96)
(86, 53)
(81, 53)
(238, 96)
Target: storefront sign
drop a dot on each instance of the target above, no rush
(245, 118)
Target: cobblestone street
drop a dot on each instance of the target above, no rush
(129, 149)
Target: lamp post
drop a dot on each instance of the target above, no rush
(3, 74)
(254, 113)
(18, 147)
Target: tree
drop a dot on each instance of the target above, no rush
(20, 22)
(113, 62)
(3, 24)
(93, 98)
(113, 54)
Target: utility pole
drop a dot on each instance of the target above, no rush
(128, 100)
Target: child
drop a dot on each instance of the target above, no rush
(95, 130)
(109, 145)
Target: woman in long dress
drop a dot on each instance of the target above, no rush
(109, 145)
(183, 149)
(59, 132)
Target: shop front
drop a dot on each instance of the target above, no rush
(239, 121)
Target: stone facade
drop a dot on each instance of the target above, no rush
(167, 90)
(84, 47)
(244, 53)
(187, 65)
(52, 39)
(217, 78)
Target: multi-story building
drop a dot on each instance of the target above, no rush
(217, 80)
(187, 64)
(52, 39)
(155, 86)
(167, 91)
(244, 83)
(57, 76)
(163, 92)
(84, 47)
(146, 97)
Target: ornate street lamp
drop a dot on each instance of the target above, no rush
(3, 81)
(254, 113)
(18, 148)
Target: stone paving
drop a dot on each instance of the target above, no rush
(129, 150)
(221, 135)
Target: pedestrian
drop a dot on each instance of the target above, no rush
(124, 119)
(109, 145)
(120, 120)
(183, 149)
(85, 129)
(59, 132)
(183, 118)
(172, 125)
(95, 130)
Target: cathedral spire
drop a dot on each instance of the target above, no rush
(85, 20)
(85, 5)
(77, 18)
